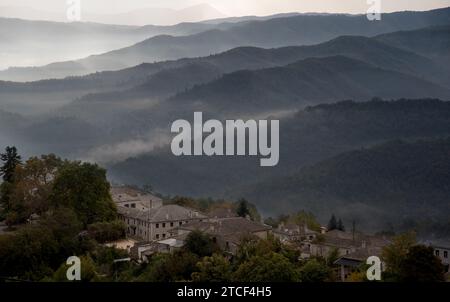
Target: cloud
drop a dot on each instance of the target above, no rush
(117, 152)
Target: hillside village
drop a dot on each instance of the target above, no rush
(51, 209)
(153, 227)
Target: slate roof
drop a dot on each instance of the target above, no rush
(345, 239)
(222, 213)
(125, 193)
(164, 213)
(232, 229)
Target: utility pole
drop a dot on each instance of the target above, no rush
(353, 229)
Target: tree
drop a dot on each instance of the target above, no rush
(11, 159)
(32, 185)
(314, 271)
(84, 188)
(394, 254)
(421, 265)
(88, 271)
(332, 256)
(107, 231)
(271, 267)
(216, 268)
(332, 224)
(303, 218)
(30, 253)
(243, 208)
(178, 266)
(200, 244)
(340, 226)
(65, 226)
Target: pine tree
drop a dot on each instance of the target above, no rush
(243, 209)
(340, 225)
(11, 159)
(332, 224)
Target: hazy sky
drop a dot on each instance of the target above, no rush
(233, 7)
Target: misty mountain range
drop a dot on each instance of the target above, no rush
(116, 108)
(138, 17)
(277, 32)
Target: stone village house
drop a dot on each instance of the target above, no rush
(145, 216)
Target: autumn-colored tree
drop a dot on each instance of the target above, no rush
(84, 188)
(394, 254)
(33, 183)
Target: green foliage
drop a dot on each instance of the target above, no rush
(242, 208)
(107, 231)
(11, 160)
(200, 244)
(170, 267)
(306, 218)
(88, 271)
(301, 218)
(332, 224)
(29, 253)
(271, 267)
(216, 268)
(65, 226)
(32, 185)
(340, 225)
(394, 254)
(421, 265)
(332, 256)
(84, 188)
(68, 196)
(209, 204)
(314, 271)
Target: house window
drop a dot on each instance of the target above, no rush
(157, 236)
(445, 254)
(171, 224)
(164, 235)
(157, 225)
(133, 205)
(181, 222)
(437, 253)
(164, 225)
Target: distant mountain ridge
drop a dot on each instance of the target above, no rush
(308, 81)
(140, 17)
(163, 79)
(276, 32)
(61, 41)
